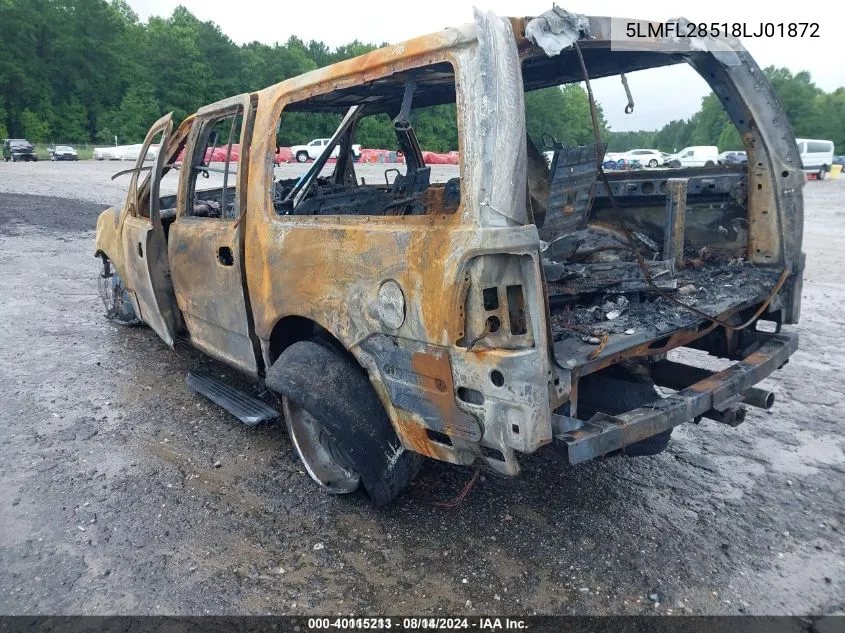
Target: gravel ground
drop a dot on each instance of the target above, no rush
(123, 492)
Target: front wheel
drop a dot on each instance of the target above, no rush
(115, 297)
(301, 157)
(338, 425)
(652, 163)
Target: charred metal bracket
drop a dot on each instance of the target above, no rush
(131, 171)
(676, 213)
(571, 179)
(630, 107)
(714, 395)
(402, 122)
(419, 379)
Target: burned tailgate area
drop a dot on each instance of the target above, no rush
(598, 293)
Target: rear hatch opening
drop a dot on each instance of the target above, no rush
(689, 226)
(638, 259)
(612, 326)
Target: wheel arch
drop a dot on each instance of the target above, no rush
(293, 328)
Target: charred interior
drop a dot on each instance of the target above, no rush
(408, 192)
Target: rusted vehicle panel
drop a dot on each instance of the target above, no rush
(509, 308)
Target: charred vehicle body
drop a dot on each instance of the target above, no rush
(519, 305)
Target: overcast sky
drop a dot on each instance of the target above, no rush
(660, 94)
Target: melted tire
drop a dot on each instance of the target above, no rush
(337, 393)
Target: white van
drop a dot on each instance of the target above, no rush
(695, 156)
(816, 155)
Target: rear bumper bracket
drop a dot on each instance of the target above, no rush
(603, 433)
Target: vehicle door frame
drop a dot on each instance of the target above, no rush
(146, 274)
(236, 346)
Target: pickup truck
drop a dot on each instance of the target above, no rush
(304, 153)
(521, 305)
(17, 149)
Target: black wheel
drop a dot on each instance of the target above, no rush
(675, 163)
(337, 424)
(709, 163)
(652, 162)
(822, 173)
(301, 157)
(115, 297)
(621, 394)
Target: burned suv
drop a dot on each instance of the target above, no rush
(16, 149)
(471, 316)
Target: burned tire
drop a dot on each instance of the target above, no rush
(301, 157)
(338, 426)
(119, 308)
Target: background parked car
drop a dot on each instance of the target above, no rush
(695, 156)
(733, 157)
(16, 149)
(839, 160)
(312, 150)
(63, 152)
(646, 157)
(816, 156)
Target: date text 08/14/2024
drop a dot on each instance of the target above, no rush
(417, 624)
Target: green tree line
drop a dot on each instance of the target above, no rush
(812, 112)
(90, 71)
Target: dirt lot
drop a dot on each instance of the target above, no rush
(123, 492)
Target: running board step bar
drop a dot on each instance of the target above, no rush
(710, 394)
(249, 410)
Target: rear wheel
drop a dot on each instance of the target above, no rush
(822, 173)
(337, 424)
(652, 162)
(709, 163)
(324, 459)
(301, 157)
